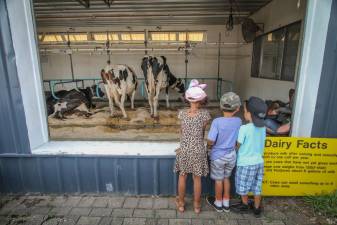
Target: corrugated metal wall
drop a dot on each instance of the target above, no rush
(13, 129)
(325, 122)
(150, 175)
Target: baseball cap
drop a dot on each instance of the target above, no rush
(258, 108)
(230, 101)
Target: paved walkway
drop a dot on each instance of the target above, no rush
(121, 210)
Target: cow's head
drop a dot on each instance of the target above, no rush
(110, 74)
(146, 65)
(106, 75)
(180, 87)
(157, 65)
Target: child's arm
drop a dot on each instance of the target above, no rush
(210, 143)
(241, 137)
(237, 146)
(212, 135)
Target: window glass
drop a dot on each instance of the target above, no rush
(52, 38)
(256, 57)
(275, 53)
(100, 37)
(113, 37)
(290, 52)
(76, 37)
(132, 36)
(195, 36)
(138, 37)
(163, 36)
(191, 36)
(272, 52)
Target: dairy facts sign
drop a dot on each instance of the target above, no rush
(299, 166)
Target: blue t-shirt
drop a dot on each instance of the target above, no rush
(224, 132)
(252, 141)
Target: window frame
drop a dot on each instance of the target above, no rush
(285, 30)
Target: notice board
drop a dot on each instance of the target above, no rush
(299, 166)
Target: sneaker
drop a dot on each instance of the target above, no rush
(225, 209)
(210, 200)
(240, 208)
(251, 204)
(257, 212)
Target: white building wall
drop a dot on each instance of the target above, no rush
(24, 43)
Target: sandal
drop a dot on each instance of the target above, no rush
(180, 205)
(197, 207)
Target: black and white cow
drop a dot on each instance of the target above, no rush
(119, 81)
(72, 100)
(158, 76)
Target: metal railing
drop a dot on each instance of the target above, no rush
(222, 85)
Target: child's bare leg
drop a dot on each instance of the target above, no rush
(257, 201)
(218, 190)
(197, 188)
(227, 188)
(226, 193)
(182, 188)
(197, 193)
(244, 199)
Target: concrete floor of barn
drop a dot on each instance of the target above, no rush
(134, 210)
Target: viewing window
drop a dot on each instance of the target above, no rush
(275, 53)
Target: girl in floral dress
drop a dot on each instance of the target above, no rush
(191, 157)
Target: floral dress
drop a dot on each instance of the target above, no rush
(191, 157)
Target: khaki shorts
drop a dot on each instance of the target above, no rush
(222, 168)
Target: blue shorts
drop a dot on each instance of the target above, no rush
(249, 179)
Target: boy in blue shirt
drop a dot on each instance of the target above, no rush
(222, 139)
(251, 140)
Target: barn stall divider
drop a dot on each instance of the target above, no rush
(130, 175)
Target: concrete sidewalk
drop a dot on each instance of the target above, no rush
(130, 210)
